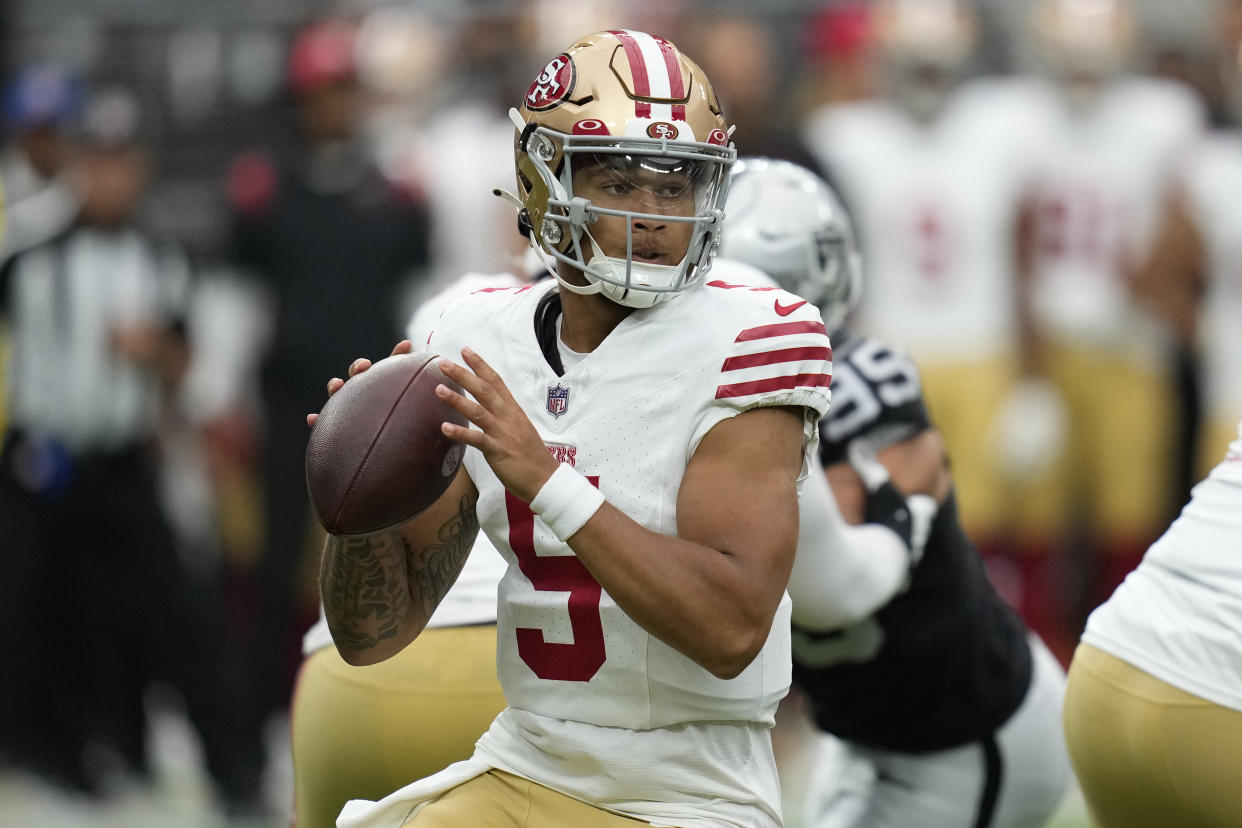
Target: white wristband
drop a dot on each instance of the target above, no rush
(566, 502)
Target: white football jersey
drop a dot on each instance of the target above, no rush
(934, 206)
(1178, 615)
(1212, 180)
(1101, 178)
(578, 673)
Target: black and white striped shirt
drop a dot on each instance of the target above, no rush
(62, 301)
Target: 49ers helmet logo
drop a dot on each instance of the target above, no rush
(662, 129)
(554, 84)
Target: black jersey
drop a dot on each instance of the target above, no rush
(946, 661)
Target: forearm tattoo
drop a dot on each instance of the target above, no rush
(364, 589)
(437, 566)
(370, 585)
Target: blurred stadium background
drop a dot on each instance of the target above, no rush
(212, 80)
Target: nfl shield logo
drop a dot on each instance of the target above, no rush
(558, 400)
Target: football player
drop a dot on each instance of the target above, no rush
(948, 706)
(1111, 143)
(1192, 271)
(636, 444)
(1153, 706)
(931, 170)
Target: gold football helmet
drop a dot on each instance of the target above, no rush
(633, 102)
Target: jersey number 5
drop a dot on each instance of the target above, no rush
(578, 661)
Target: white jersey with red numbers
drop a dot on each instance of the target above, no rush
(1179, 615)
(934, 205)
(1212, 180)
(1101, 179)
(599, 708)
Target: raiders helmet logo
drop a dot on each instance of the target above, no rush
(554, 84)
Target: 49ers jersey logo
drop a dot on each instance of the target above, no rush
(554, 84)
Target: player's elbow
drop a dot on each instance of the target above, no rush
(732, 655)
(359, 658)
(362, 648)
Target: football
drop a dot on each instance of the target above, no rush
(376, 455)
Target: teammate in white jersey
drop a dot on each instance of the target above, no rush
(946, 704)
(1110, 146)
(1194, 270)
(1153, 708)
(931, 172)
(347, 726)
(637, 439)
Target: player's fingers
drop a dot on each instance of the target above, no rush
(478, 388)
(402, 347)
(469, 436)
(485, 372)
(310, 419)
(468, 408)
(334, 385)
(358, 366)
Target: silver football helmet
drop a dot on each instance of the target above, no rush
(787, 221)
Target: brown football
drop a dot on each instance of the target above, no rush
(376, 455)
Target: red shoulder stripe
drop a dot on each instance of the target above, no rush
(745, 389)
(781, 329)
(773, 357)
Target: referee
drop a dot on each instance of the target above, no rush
(94, 604)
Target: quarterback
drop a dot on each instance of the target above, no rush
(638, 436)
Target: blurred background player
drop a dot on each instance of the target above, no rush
(1153, 708)
(97, 315)
(1107, 154)
(931, 168)
(334, 242)
(440, 128)
(948, 706)
(1191, 274)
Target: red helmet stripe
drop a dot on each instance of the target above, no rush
(676, 84)
(638, 68)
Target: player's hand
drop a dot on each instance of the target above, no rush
(355, 368)
(505, 435)
(910, 517)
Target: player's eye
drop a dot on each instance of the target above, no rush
(673, 189)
